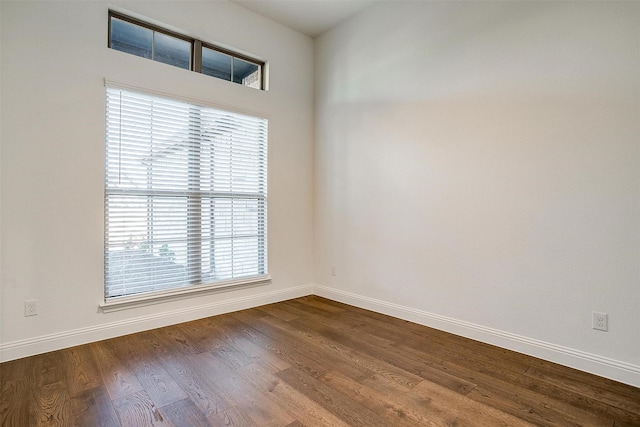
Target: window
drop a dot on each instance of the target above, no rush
(185, 195)
(227, 67)
(149, 41)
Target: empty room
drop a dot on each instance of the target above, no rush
(319, 213)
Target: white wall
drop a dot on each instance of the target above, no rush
(54, 59)
(478, 169)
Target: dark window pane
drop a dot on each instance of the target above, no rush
(216, 64)
(245, 72)
(173, 51)
(131, 38)
(145, 40)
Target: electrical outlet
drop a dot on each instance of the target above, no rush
(31, 307)
(600, 321)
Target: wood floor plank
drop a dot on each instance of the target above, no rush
(233, 357)
(47, 369)
(184, 413)
(608, 392)
(116, 376)
(337, 357)
(593, 383)
(137, 410)
(246, 397)
(425, 410)
(277, 311)
(336, 402)
(14, 401)
(436, 404)
(352, 351)
(321, 304)
(217, 420)
(151, 343)
(13, 369)
(154, 379)
(533, 407)
(281, 349)
(259, 355)
(80, 368)
(227, 330)
(180, 340)
(202, 334)
(466, 411)
(50, 406)
(128, 349)
(200, 388)
(392, 355)
(356, 358)
(159, 385)
(235, 417)
(304, 409)
(372, 398)
(93, 407)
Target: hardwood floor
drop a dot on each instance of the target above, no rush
(304, 362)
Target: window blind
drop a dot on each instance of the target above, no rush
(185, 194)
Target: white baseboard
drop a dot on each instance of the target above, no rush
(605, 367)
(602, 366)
(45, 343)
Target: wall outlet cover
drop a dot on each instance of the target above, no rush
(600, 321)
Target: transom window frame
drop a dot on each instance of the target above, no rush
(197, 46)
(111, 304)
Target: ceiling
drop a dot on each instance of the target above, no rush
(310, 17)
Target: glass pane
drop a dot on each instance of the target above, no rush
(216, 64)
(172, 51)
(131, 38)
(246, 73)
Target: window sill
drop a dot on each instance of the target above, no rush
(125, 303)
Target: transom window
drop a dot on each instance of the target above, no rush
(185, 195)
(152, 42)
